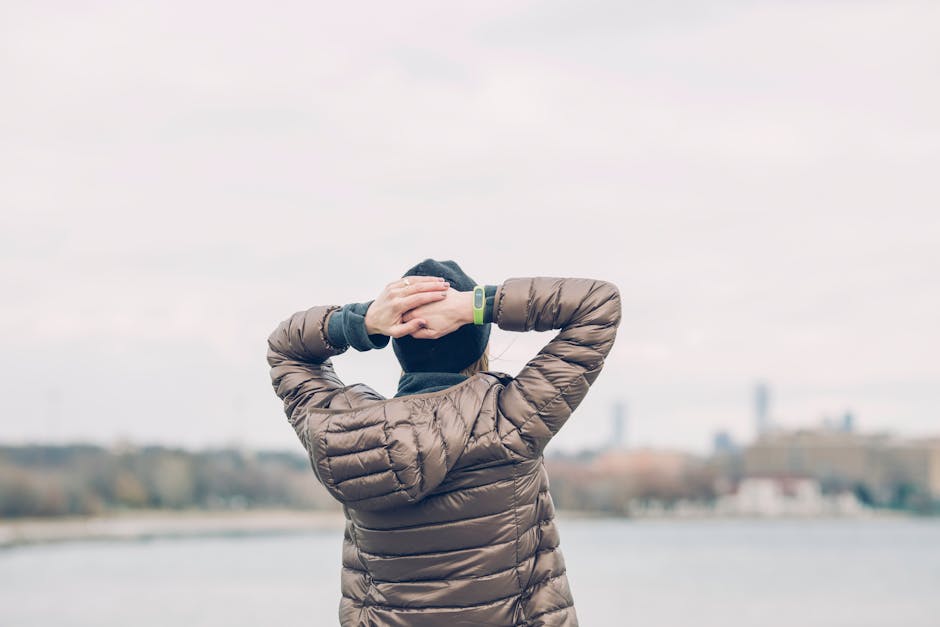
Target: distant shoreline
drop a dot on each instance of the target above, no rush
(139, 525)
(150, 524)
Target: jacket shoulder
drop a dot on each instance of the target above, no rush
(354, 396)
(499, 377)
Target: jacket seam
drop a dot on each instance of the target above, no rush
(420, 466)
(499, 308)
(349, 401)
(556, 306)
(465, 548)
(391, 465)
(535, 554)
(397, 608)
(436, 425)
(537, 412)
(375, 402)
(515, 516)
(368, 595)
(354, 478)
(359, 452)
(329, 459)
(354, 569)
(418, 610)
(467, 427)
(465, 577)
(539, 524)
(470, 487)
(322, 330)
(552, 611)
(442, 522)
(545, 580)
(528, 303)
(409, 499)
(359, 428)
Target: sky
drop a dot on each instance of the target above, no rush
(759, 179)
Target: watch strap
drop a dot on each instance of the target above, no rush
(479, 303)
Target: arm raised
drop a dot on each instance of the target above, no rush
(299, 349)
(541, 398)
(301, 372)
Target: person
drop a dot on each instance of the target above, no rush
(449, 521)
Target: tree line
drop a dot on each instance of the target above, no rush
(45, 480)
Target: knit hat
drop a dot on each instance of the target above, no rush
(449, 353)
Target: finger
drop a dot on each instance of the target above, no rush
(408, 328)
(420, 286)
(420, 278)
(425, 334)
(416, 300)
(415, 278)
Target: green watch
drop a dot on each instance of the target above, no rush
(479, 304)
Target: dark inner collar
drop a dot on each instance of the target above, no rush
(420, 382)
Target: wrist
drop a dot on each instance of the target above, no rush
(371, 329)
(347, 327)
(466, 307)
(488, 313)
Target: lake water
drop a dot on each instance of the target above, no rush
(856, 573)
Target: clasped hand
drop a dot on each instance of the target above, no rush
(424, 308)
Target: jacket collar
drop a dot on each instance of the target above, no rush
(420, 382)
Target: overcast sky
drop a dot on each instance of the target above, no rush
(760, 180)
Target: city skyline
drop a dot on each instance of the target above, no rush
(617, 436)
(762, 196)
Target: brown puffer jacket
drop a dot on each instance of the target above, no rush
(449, 521)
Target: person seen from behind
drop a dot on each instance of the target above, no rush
(449, 521)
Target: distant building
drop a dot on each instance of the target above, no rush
(880, 463)
(618, 427)
(786, 496)
(725, 462)
(761, 408)
(723, 444)
(845, 423)
(848, 422)
(670, 464)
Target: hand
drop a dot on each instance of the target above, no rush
(385, 314)
(442, 316)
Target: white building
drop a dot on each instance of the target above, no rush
(786, 496)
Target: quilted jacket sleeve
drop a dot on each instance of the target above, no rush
(395, 460)
(301, 371)
(347, 327)
(540, 399)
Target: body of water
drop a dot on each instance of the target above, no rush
(826, 573)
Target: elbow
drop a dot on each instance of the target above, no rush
(606, 303)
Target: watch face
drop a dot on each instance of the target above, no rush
(478, 299)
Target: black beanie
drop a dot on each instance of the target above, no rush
(449, 353)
